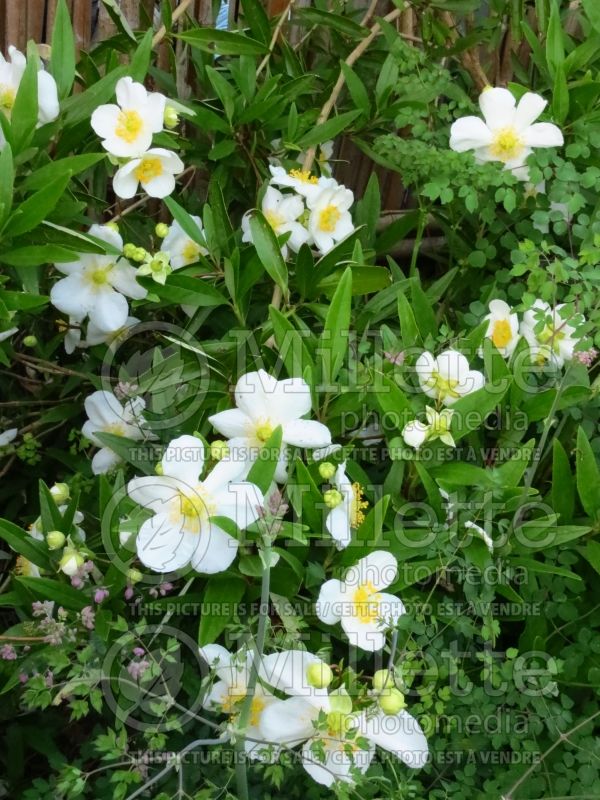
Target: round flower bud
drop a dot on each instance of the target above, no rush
(327, 470)
(218, 449)
(60, 493)
(30, 341)
(158, 469)
(319, 675)
(139, 254)
(134, 575)
(113, 226)
(129, 250)
(71, 561)
(383, 679)
(161, 230)
(332, 498)
(391, 701)
(55, 540)
(171, 117)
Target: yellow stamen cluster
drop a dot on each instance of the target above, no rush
(129, 125)
(148, 169)
(445, 387)
(501, 333)
(366, 603)
(357, 514)
(304, 176)
(506, 145)
(329, 218)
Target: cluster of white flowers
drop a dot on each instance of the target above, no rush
(127, 129)
(509, 133)
(96, 287)
(337, 739)
(314, 211)
(11, 73)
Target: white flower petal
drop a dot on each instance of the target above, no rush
(399, 734)
(288, 721)
(469, 133)
(104, 461)
(231, 423)
(215, 552)
(286, 672)
(291, 399)
(240, 502)
(103, 409)
(332, 602)
(154, 492)
(254, 394)
(163, 546)
(378, 568)
(543, 134)
(337, 523)
(415, 433)
(338, 764)
(529, 109)
(366, 635)
(306, 433)
(110, 310)
(498, 107)
(122, 277)
(184, 459)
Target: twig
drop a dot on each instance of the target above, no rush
(339, 85)
(280, 23)
(179, 11)
(470, 59)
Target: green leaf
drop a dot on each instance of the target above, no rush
(333, 342)
(563, 488)
(357, 89)
(257, 19)
(555, 50)
(185, 220)
(185, 290)
(262, 471)
(411, 335)
(423, 312)
(542, 568)
(7, 178)
(24, 544)
(62, 58)
(268, 250)
(327, 19)
(137, 453)
(470, 411)
(225, 43)
(61, 593)
(290, 344)
(38, 254)
(33, 210)
(591, 553)
(327, 130)
(24, 115)
(79, 107)
(365, 280)
(62, 166)
(140, 62)
(592, 12)
(588, 476)
(222, 595)
(560, 101)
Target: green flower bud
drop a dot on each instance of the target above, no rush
(171, 117)
(161, 230)
(113, 226)
(30, 341)
(218, 449)
(319, 675)
(383, 679)
(158, 468)
(129, 250)
(60, 493)
(139, 254)
(332, 498)
(327, 470)
(391, 701)
(134, 575)
(55, 540)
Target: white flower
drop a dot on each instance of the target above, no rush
(487, 539)
(107, 415)
(96, 284)
(281, 212)
(348, 513)
(36, 529)
(416, 433)
(11, 72)
(448, 377)
(181, 249)
(325, 724)
(264, 403)
(228, 693)
(127, 128)
(358, 602)
(181, 532)
(301, 181)
(503, 327)
(8, 436)
(330, 220)
(509, 132)
(96, 335)
(155, 170)
(550, 338)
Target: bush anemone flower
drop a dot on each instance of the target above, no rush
(107, 415)
(11, 73)
(347, 507)
(550, 338)
(263, 404)
(155, 170)
(181, 248)
(359, 603)
(282, 213)
(509, 133)
(503, 327)
(181, 530)
(127, 128)
(330, 220)
(416, 433)
(448, 377)
(96, 284)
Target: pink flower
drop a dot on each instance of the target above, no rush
(100, 595)
(8, 652)
(88, 618)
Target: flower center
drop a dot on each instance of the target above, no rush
(235, 697)
(357, 515)
(264, 431)
(506, 145)
(116, 428)
(7, 98)
(148, 169)
(445, 387)
(274, 219)
(337, 724)
(195, 506)
(501, 333)
(366, 605)
(191, 251)
(129, 125)
(99, 276)
(24, 567)
(329, 218)
(303, 175)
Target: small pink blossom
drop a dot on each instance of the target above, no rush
(8, 652)
(587, 357)
(137, 669)
(397, 359)
(100, 595)
(88, 618)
